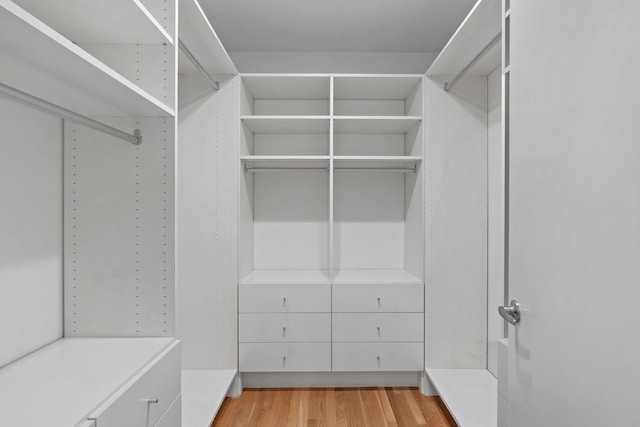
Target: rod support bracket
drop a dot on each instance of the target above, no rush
(138, 136)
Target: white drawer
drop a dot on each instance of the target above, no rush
(285, 327)
(173, 416)
(135, 406)
(285, 357)
(369, 357)
(378, 298)
(289, 298)
(371, 327)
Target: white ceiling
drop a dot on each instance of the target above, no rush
(407, 26)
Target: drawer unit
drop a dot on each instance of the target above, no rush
(173, 416)
(285, 357)
(374, 298)
(145, 400)
(285, 327)
(372, 327)
(289, 298)
(369, 357)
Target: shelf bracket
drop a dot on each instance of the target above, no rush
(214, 83)
(448, 85)
(58, 111)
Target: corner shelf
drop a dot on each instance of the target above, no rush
(481, 25)
(376, 162)
(199, 36)
(50, 66)
(375, 124)
(287, 124)
(94, 22)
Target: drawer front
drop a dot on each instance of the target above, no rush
(372, 327)
(378, 298)
(370, 357)
(290, 298)
(285, 357)
(173, 416)
(136, 406)
(276, 327)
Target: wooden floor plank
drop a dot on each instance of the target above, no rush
(329, 407)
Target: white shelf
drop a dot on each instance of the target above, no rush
(62, 383)
(286, 161)
(50, 66)
(344, 277)
(388, 87)
(287, 86)
(203, 392)
(287, 124)
(202, 41)
(471, 395)
(375, 124)
(376, 162)
(274, 277)
(100, 22)
(481, 25)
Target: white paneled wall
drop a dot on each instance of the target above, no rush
(456, 225)
(207, 209)
(119, 231)
(30, 230)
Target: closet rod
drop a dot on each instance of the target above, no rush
(214, 83)
(252, 169)
(406, 170)
(483, 52)
(63, 113)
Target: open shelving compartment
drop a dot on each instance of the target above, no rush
(332, 177)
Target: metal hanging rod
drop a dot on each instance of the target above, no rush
(252, 169)
(448, 85)
(63, 113)
(405, 170)
(323, 169)
(214, 83)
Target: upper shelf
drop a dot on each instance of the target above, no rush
(287, 124)
(375, 124)
(202, 41)
(362, 87)
(48, 65)
(99, 22)
(287, 86)
(481, 25)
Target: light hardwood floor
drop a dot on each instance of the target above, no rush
(329, 407)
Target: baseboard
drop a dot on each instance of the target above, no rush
(330, 379)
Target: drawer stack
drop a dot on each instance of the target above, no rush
(378, 327)
(285, 327)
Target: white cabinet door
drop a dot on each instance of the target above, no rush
(378, 298)
(285, 357)
(289, 298)
(297, 327)
(371, 327)
(574, 215)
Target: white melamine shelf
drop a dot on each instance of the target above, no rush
(203, 392)
(344, 277)
(471, 395)
(49, 66)
(274, 277)
(100, 22)
(202, 41)
(62, 383)
(287, 124)
(367, 87)
(287, 86)
(376, 162)
(286, 161)
(375, 124)
(481, 25)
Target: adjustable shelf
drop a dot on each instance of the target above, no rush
(343, 277)
(287, 124)
(479, 29)
(51, 67)
(276, 277)
(104, 22)
(397, 163)
(375, 124)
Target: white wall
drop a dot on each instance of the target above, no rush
(30, 230)
(495, 198)
(333, 62)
